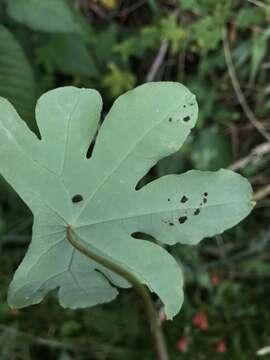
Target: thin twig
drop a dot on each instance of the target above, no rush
(261, 193)
(141, 290)
(259, 3)
(127, 11)
(255, 155)
(38, 340)
(259, 247)
(158, 60)
(238, 91)
(96, 9)
(263, 351)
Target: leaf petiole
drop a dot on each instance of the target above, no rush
(142, 291)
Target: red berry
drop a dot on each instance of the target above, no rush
(215, 280)
(181, 344)
(200, 321)
(221, 347)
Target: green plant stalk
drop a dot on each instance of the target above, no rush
(142, 291)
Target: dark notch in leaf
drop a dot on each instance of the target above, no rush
(143, 236)
(90, 150)
(197, 211)
(186, 118)
(184, 199)
(91, 146)
(77, 198)
(182, 219)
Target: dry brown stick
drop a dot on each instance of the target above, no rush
(127, 11)
(238, 91)
(259, 3)
(262, 193)
(256, 154)
(52, 343)
(158, 60)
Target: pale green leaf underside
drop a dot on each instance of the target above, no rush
(143, 126)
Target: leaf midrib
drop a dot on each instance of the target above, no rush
(117, 219)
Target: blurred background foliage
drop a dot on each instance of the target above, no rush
(220, 50)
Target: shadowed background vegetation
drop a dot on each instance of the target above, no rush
(220, 50)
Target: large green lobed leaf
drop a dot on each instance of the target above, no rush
(143, 126)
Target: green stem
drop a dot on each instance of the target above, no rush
(141, 290)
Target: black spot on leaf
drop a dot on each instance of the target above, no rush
(77, 198)
(171, 223)
(182, 219)
(186, 118)
(184, 199)
(204, 200)
(169, 199)
(205, 194)
(170, 119)
(197, 211)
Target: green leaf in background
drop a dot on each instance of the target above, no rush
(189, 5)
(172, 31)
(118, 80)
(97, 197)
(150, 37)
(211, 150)
(43, 15)
(70, 328)
(260, 44)
(64, 356)
(207, 32)
(67, 54)
(201, 7)
(16, 76)
(103, 42)
(130, 47)
(250, 16)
